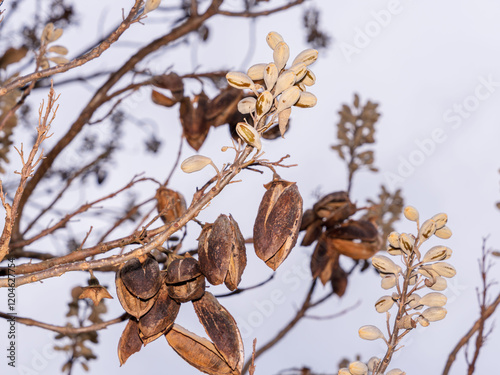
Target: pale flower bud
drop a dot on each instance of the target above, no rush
(440, 220)
(389, 281)
(373, 363)
(60, 50)
(256, 72)
(443, 232)
(309, 79)
(393, 251)
(151, 5)
(385, 265)
(300, 71)
(264, 103)
(384, 304)
(411, 213)
(285, 81)
(406, 242)
(370, 333)
(249, 135)
(423, 322)
(195, 163)
(344, 371)
(437, 253)
(306, 100)
(440, 284)
(426, 230)
(307, 57)
(358, 368)
(434, 299)
(395, 371)
(444, 269)
(433, 314)
(414, 301)
(247, 105)
(288, 98)
(239, 80)
(393, 239)
(273, 38)
(281, 54)
(270, 75)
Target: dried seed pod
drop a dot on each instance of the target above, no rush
(406, 242)
(411, 213)
(142, 278)
(221, 328)
(394, 252)
(323, 260)
(440, 220)
(288, 98)
(313, 231)
(414, 301)
(439, 284)
(161, 316)
(285, 81)
(222, 254)
(249, 135)
(160, 99)
(130, 342)
(358, 368)
(373, 363)
(306, 100)
(385, 265)
(281, 54)
(240, 80)
(247, 105)
(370, 333)
(270, 76)
(443, 232)
(393, 239)
(130, 303)
(307, 57)
(195, 163)
(437, 253)
(433, 314)
(389, 281)
(170, 204)
(355, 250)
(283, 118)
(184, 280)
(423, 322)
(264, 103)
(256, 72)
(309, 79)
(384, 304)
(444, 269)
(198, 352)
(273, 38)
(433, 299)
(277, 224)
(426, 230)
(406, 322)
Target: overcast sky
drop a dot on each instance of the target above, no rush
(433, 67)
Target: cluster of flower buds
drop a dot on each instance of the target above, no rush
(420, 273)
(276, 90)
(360, 368)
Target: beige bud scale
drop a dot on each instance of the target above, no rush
(195, 163)
(370, 333)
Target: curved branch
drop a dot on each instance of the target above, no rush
(261, 13)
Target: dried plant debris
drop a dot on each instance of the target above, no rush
(170, 204)
(315, 36)
(130, 342)
(184, 279)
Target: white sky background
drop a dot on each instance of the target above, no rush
(428, 58)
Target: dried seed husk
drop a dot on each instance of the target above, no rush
(393, 239)
(60, 50)
(247, 105)
(355, 230)
(281, 54)
(313, 232)
(373, 363)
(423, 322)
(308, 218)
(443, 232)
(195, 163)
(433, 299)
(440, 220)
(354, 250)
(437, 253)
(160, 99)
(170, 204)
(339, 280)
(198, 352)
(161, 316)
(240, 80)
(273, 38)
(306, 57)
(238, 259)
(370, 333)
(47, 32)
(433, 314)
(55, 35)
(444, 269)
(406, 322)
(358, 368)
(221, 328)
(388, 281)
(249, 135)
(285, 81)
(264, 103)
(142, 279)
(256, 72)
(194, 123)
(323, 260)
(278, 220)
(411, 213)
(182, 269)
(288, 98)
(130, 303)
(426, 230)
(406, 242)
(270, 76)
(171, 82)
(384, 304)
(300, 71)
(148, 340)
(309, 79)
(385, 265)
(306, 100)
(130, 342)
(283, 118)
(439, 284)
(188, 290)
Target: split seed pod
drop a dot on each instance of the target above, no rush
(222, 253)
(184, 280)
(170, 204)
(222, 329)
(411, 213)
(249, 135)
(278, 221)
(130, 303)
(141, 278)
(370, 333)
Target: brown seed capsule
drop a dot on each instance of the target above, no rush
(170, 204)
(130, 303)
(222, 253)
(278, 221)
(184, 280)
(142, 278)
(130, 342)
